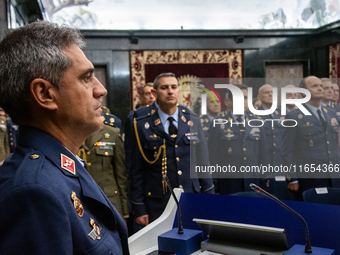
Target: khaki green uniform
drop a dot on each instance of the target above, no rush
(104, 154)
(4, 146)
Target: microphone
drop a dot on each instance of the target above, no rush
(180, 224)
(308, 247)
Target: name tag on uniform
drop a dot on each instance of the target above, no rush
(281, 178)
(106, 147)
(191, 136)
(321, 190)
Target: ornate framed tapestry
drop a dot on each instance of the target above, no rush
(188, 66)
(334, 61)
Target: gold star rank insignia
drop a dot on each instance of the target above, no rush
(107, 135)
(206, 120)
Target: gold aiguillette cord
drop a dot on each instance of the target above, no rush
(164, 160)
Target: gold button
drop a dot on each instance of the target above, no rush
(245, 158)
(272, 128)
(273, 152)
(88, 164)
(244, 149)
(327, 142)
(309, 133)
(34, 156)
(330, 162)
(88, 153)
(257, 138)
(326, 133)
(180, 186)
(274, 144)
(179, 172)
(116, 191)
(329, 152)
(183, 110)
(177, 158)
(106, 153)
(155, 148)
(273, 136)
(194, 142)
(149, 193)
(176, 146)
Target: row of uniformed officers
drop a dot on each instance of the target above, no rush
(152, 151)
(215, 139)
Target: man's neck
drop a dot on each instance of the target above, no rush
(266, 105)
(214, 114)
(325, 101)
(290, 107)
(314, 102)
(168, 109)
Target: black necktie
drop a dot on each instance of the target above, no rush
(240, 125)
(172, 128)
(323, 122)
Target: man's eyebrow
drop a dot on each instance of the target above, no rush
(86, 72)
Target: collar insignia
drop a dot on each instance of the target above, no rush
(68, 164)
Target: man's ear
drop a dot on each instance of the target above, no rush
(227, 101)
(43, 93)
(153, 91)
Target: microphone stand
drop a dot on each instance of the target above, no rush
(308, 247)
(180, 224)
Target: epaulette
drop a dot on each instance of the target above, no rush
(141, 117)
(185, 110)
(109, 119)
(145, 110)
(33, 161)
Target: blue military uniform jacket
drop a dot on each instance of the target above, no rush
(229, 146)
(276, 183)
(336, 108)
(48, 200)
(13, 134)
(141, 111)
(183, 153)
(307, 143)
(205, 122)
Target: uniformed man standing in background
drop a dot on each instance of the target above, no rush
(103, 153)
(170, 141)
(237, 144)
(213, 109)
(314, 140)
(276, 183)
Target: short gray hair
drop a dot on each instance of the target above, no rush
(149, 84)
(30, 52)
(162, 75)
